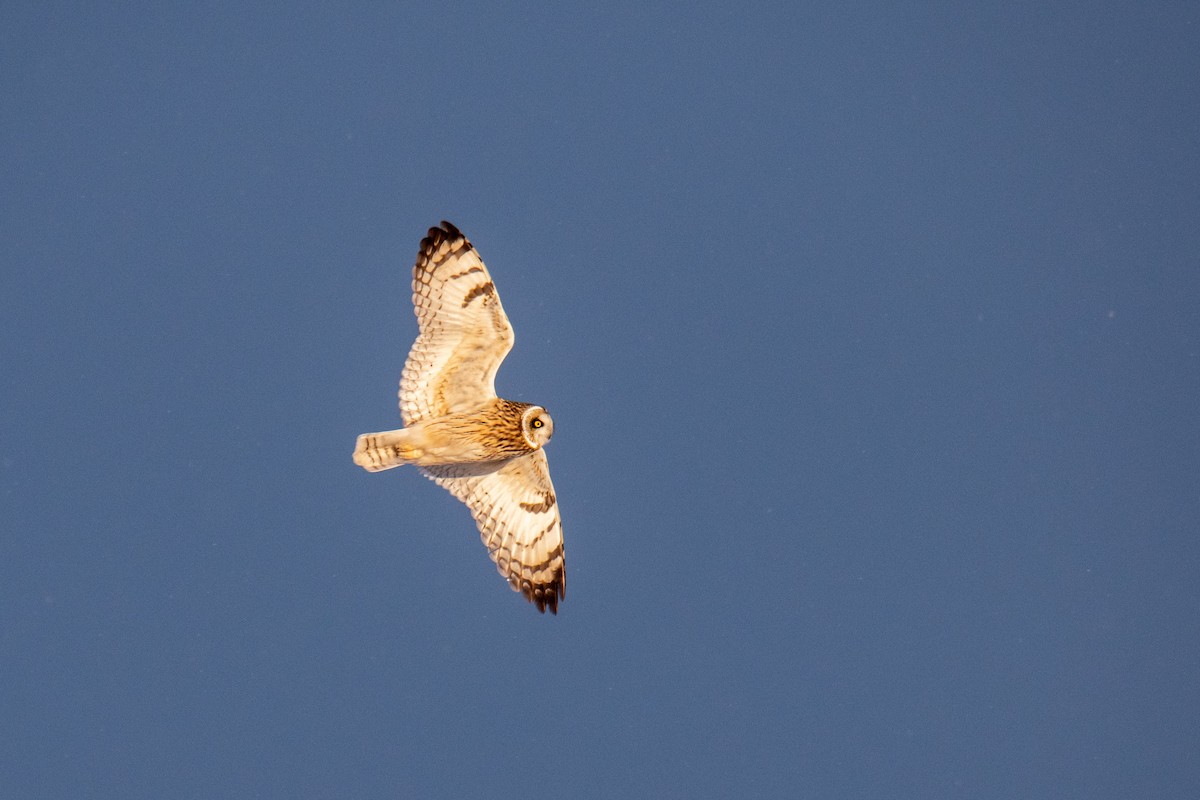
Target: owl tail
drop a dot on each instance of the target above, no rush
(376, 452)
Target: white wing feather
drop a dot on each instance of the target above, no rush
(464, 332)
(515, 507)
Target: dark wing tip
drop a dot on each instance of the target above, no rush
(436, 238)
(545, 595)
(446, 233)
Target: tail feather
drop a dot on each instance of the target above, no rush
(376, 452)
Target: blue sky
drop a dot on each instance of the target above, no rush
(869, 334)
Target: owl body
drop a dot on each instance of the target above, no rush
(496, 431)
(484, 450)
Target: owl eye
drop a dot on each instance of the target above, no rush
(537, 423)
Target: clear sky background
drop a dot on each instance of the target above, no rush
(870, 333)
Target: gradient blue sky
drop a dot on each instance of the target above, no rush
(870, 333)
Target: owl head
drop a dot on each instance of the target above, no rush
(536, 426)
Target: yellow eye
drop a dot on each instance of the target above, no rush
(537, 423)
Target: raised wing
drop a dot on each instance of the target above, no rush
(464, 333)
(514, 505)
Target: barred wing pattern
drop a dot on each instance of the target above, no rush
(464, 333)
(515, 507)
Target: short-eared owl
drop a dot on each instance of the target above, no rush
(485, 451)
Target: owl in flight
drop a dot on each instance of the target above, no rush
(485, 451)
